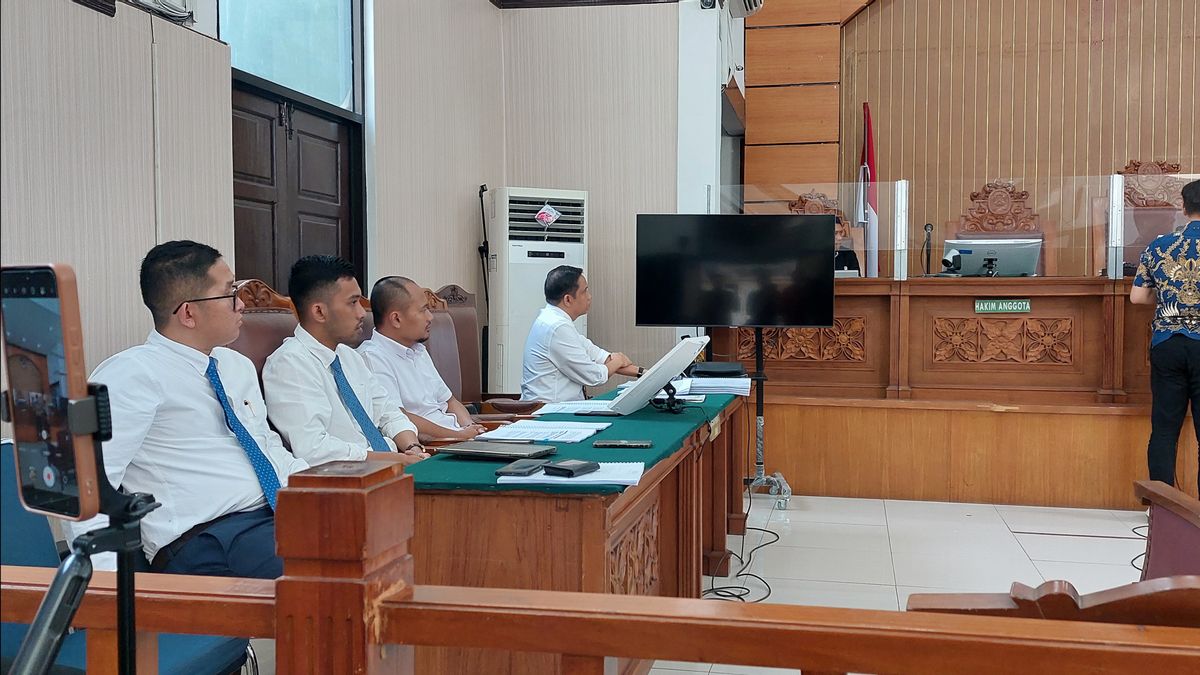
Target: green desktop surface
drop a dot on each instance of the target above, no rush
(667, 431)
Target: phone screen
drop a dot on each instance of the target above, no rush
(37, 379)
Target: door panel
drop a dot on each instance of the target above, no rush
(292, 171)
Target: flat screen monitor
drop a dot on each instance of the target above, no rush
(734, 270)
(996, 257)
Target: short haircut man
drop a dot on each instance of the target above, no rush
(558, 361)
(397, 356)
(190, 425)
(320, 393)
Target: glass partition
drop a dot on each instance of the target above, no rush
(1151, 206)
(866, 241)
(1012, 226)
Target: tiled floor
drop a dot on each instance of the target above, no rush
(873, 553)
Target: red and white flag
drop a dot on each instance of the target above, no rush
(867, 205)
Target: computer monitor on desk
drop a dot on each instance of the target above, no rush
(992, 257)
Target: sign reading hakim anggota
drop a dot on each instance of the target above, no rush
(996, 306)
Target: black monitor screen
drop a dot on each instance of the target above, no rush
(734, 270)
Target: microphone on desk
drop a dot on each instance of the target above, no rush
(927, 247)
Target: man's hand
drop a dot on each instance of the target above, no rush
(471, 431)
(630, 370)
(408, 459)
(616, 361)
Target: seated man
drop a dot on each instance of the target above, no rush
(190, 426)
(396, 354)
(559, 362)
(320, 393)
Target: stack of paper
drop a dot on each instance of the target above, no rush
(738, 386)
(609, 473)
(536, 430)
(570, 407)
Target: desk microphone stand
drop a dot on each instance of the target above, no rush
(123, 535)
(776, 483)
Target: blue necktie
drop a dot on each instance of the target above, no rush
(262, 466)
(378, 444)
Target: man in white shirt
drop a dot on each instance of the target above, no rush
(190, 426)
(559, 362)
(396, 354)
(320, 393)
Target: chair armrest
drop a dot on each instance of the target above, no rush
(510, 406)
(497, 417)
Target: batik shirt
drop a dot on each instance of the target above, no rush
(1171, 266)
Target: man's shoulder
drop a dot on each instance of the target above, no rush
(230, 359)
(136, 361)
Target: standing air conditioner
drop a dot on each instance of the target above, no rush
(523, 251)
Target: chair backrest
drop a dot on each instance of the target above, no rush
(1001, 211)
(1173, 537)
(25, 537)
(460, 306)
(815, 203)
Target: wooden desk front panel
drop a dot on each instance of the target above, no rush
(1081, 343)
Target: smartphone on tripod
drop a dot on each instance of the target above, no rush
(43, 356)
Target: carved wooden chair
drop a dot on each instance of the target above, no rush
(1167, 595)
(1153, 206)
(818, 203)
(1001, 211)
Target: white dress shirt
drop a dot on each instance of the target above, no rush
(304, 403)
(410, 377)
(559, 362)
(170, 438)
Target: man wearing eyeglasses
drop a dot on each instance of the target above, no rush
(190, 426)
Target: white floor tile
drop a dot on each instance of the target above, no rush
(1046, 520)
(831, 535)
(1103, 550)
(913, 536)
(1132, 518)
(832, 510)
(680, 666)
(820, 564)
(979, 571)
(831, 594)
(941, 512)
(1088, 577)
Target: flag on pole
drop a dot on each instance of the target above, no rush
(867, 205)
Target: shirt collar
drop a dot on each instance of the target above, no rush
(1192, 229)
(555, 309)
(325, 354)
(397, 348)
(195, 357)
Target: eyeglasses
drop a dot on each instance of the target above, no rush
(231, 296)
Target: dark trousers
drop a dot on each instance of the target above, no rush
(241, 545)
(1174, 382)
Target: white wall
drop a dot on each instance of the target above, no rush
(78, 130)
(434, 132)
(590, 103)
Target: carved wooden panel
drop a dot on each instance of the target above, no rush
(974, 340)
(256, 293)
(999, 208)
(1149, 184)
(845, 341)
(456, 296)
(633, 563)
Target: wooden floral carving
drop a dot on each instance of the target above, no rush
(1029, 341)
(845, 341)
(999, 208)
(256, 293)
(1149, 184)
(633, 563)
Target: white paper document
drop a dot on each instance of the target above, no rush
(571, 407)
(738, 386)
(537, 430)
(609, 473)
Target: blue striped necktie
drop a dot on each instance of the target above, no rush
(267, 477)
(374, 437)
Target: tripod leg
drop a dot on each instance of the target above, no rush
(126, 633)
(54, 616)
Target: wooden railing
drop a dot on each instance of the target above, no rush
(346, 604)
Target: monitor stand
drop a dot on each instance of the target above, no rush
(776, 484)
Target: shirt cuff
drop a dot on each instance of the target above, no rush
(398, 426)
(1140, 282)
(604, 357)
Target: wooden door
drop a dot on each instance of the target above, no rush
(292, 173)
